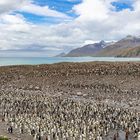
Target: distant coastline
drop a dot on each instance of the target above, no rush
(51, 60)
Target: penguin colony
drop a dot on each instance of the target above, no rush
(71, 101)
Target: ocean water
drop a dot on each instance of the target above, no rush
(5, 61)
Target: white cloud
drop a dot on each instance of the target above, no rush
(14, 23)
(42, 11)
(100, 21)
(7, 6)
(91, 10)
(96, 21)
(90, 42)
(12, 19)
(10, 5)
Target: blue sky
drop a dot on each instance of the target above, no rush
(66, 6)
(59, 5)
(55, 26)
(120, 5)
(63, 6)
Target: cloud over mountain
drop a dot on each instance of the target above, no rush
(88, 20)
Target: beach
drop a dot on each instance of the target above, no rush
(70, 101)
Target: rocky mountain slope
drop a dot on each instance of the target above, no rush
(87, 50)
(130, 52)
(126, 47)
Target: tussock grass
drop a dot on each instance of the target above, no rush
(3, 138)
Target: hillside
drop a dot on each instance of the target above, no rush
(126, 47)
(120, 47)
(130, 52)
(87, 50)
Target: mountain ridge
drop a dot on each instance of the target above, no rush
(87, 49)
(119, 48)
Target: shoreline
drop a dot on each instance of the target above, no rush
(88, 62)
(53, 60)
